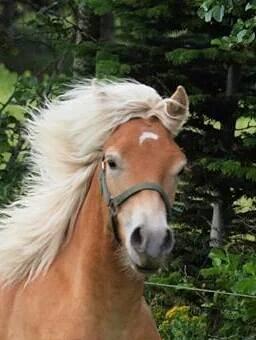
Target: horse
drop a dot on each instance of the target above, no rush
(93, 219)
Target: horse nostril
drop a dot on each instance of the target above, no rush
(168, 241)
(137, 239)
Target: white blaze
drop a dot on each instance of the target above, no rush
(147, 135)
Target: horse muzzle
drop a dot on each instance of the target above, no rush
(149, 247)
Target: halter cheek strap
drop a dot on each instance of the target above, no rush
(114, 202)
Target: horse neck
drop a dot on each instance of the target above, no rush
(94, 257)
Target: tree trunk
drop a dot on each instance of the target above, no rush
(217, 225)
(222, 212)
(229, 121)
(107, 27)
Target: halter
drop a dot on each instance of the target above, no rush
(114, 202)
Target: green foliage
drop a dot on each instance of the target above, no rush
(11, 142)
(242, 35)
(235, 273)
(232, 272)
(180, 324)
(211, 9)
(8, 80)
(99, 6)
(183, 56)
(188, 315)
(18, 93)
(230, 168)
(108, 65)
(243, 31)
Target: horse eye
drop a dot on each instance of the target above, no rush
(112, 164)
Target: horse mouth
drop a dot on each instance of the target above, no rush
(145, 270)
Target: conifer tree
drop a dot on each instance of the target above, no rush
(166, 43)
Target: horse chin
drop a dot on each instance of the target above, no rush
(145, 270)
(129, 266)
(144, 266)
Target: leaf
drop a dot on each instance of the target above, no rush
(246, 286)
(216, 41)
(210, 272)
(241, 35)
(218, 254)
(248, 6)
(250, 268)
(218, 12)
(4, 147)
(251, 38)
(201, 13)
(208, 16)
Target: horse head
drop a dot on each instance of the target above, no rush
(139, 172)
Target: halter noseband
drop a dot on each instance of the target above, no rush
(114, 202)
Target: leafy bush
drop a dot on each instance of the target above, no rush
(180, 324)
(186, 314)
(235, 273)
(17, 96)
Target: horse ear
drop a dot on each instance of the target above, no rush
(178, 108)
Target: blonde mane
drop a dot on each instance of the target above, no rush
(66, 141)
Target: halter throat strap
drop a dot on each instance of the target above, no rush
(114, 202)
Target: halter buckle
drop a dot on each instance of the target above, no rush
(112, 207)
